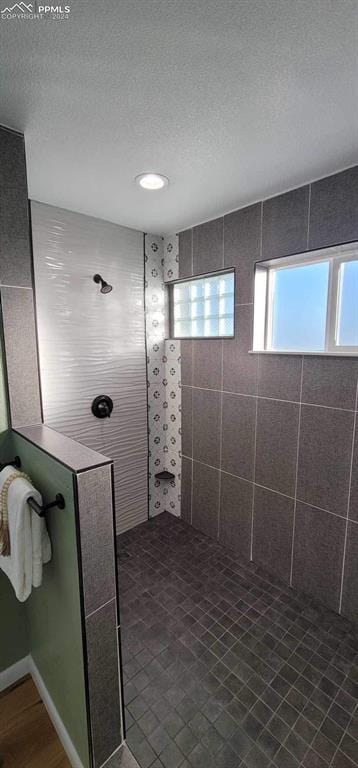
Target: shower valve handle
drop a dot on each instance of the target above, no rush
(102, 406)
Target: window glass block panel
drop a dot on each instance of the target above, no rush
(204, 307)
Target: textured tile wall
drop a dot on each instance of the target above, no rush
(270, 443)
(163, 376)
(17, 304)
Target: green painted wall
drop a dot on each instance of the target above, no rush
(53, 613)
(13, 636)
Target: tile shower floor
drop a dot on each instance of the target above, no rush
(226, 667)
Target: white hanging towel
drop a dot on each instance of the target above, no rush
(29, 540)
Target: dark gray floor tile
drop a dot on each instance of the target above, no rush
(179, 589)
(171, 756)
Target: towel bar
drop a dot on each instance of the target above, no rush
(40, 511)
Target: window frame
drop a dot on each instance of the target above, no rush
(335, 256)
(171, 284)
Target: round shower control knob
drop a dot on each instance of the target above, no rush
(102, 406)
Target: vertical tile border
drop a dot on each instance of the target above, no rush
(161, 261)
(104, 692)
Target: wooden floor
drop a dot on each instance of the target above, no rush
(27, 736)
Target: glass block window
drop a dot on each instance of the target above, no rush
(203, 307)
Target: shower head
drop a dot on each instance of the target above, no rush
(105, 287)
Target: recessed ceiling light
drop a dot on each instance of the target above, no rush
(152, 181)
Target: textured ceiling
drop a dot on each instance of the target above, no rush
(233, 100)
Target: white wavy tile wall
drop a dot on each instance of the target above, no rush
(92, 344)
(163, 372)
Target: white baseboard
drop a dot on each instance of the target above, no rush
(57, 723)
(27, 666)
(14, 673)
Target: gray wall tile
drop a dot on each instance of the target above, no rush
(235, 515)
(353, 504)
(207, 363)
(97, 536)
(272, 532)
(276, 445)
(238, 435)
(186, 486)
(333, 210)
(186, 362)
(318, 554)
(15, 258)
(74, 455)
(240, 368)
(350, 584)
(325, 457)
(101, 633)
(206, 426)
(208, 252)
(280, 377)
(186, 421)
(285, 223)
(330, 381)
(186, 253)
(205, 499)
(21, 356)
(242, 237)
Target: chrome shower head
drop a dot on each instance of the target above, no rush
(105, 287)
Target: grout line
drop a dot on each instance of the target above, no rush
(221, 432)
(272, 490)
(23, 287)
(269, 606)
(88, 615)
(192, 437)
(192, 251)
(275, 399)
(348, 505)
(308, 215)
(296, 476)
(254, 467)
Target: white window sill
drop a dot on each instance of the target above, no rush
(300, 354)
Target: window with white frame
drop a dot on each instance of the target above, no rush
(308, 303)
(203, 307)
